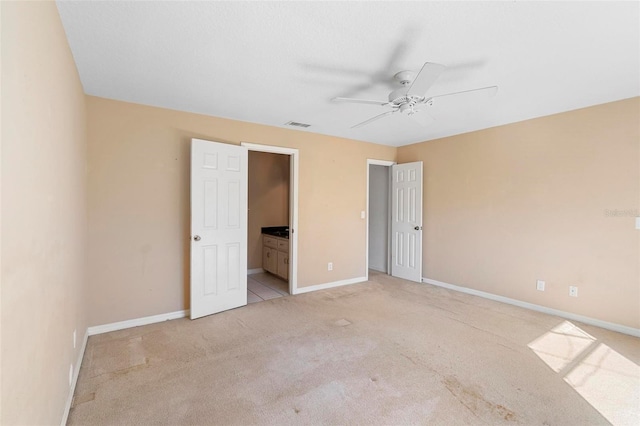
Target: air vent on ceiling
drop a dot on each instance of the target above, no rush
(296, 124)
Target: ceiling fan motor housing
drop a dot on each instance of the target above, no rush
(400, 97)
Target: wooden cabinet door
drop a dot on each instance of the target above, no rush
(269, 260)
(283, 265)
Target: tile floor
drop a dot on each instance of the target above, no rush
(265, 286)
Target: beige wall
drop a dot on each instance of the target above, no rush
(43, 214)
(503, 207)
(268, 199)
(512, 204)
(139, 204)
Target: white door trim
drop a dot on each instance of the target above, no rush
(293, 205)
(370, 162)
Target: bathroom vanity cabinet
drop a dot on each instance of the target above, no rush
(275, 255)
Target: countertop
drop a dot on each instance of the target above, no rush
(276, 231)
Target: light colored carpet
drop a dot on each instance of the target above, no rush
(382, 352)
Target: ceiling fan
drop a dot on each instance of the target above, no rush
(411, 99)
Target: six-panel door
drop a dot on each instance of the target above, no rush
(218, 227)
(406, 221)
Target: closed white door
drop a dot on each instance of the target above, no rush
(406, 221)
(218, 227)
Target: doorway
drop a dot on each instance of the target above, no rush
(394, 219)
(378, 215)
(379, 218)
(219, 220)
(267, 226)
(273, 204)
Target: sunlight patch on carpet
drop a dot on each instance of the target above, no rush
(562, 345)
(610, 383)
(607, 380)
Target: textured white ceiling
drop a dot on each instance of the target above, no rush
(272, 62)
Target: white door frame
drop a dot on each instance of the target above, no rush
(293, 205)
(378, 163)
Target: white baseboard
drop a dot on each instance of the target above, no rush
(324, 286)
(568, 315)
(377, 269)
(76, 373)
(105, 328)
(255, 271)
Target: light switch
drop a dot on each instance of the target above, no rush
(637, 222)
(362, 214)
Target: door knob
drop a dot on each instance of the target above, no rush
(417, 228)
(196, 238)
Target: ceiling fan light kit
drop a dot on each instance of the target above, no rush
(412, 94)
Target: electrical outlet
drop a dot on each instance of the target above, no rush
(330, 266)
(540, 285)
(74, 339)
(573, 291)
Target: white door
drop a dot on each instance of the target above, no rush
(406, 221)
(218, 227)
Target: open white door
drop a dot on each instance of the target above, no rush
(406, 221)
(218, 227)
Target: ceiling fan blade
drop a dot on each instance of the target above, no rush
(422, 118)
(426, 77)
(470, 95)
(373, 119)
(360, 101)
